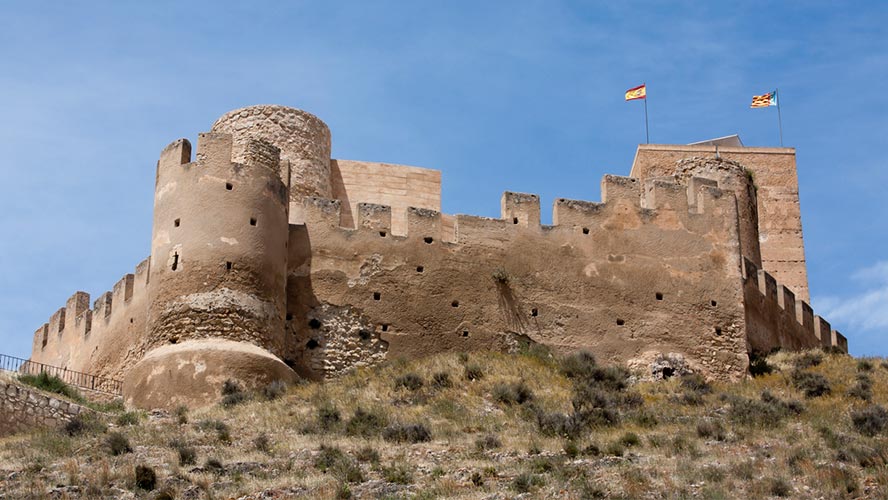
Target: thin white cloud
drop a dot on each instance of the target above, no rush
(866, 310)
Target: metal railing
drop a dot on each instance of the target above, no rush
(81, 380)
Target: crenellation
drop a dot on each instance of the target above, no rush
(575, 213)
(270, 259)
(375, 217)
(521, 208)
(618, 189)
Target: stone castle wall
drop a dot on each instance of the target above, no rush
(779, 212)
(645, 272)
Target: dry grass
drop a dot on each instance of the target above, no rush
(673, 439)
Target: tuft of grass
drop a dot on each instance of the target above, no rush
(215, 466)
(117, 444)
(367, 454)
(409, 381)
(181, 414)
(145, 477)
(366, 423)
(711, 429)
(578, 365)
(223, 432)
(473, 371)
(331, 459)
(262, 443)
(274, 390)
(407, 433)
(525, 482)
(129, 418)
(488, 442)
(187, 454)
(83, 424)
(441, 380)
(328, 416)
(808, 359)
(759, 366)
(398, 473)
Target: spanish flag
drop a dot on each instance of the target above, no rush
(764, 100)
(639, 92)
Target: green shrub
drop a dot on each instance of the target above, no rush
(181, 414)
(398, 474)
(870, 420)
(473, 371)
(865, 365)
(223, 432)
(488, 442)
(863, 388)
(367, 454)
(129, 418)
(811, 384)
(630, 439)
(83, 424)
(233, 399)
(407, 433)
(578, 365)
(328, 416)
(695, 382)
(117, 444)
(758, 365)
(711, 429)
(525, 482)
(333, 460)
(409, 381)
(441, 380)
(366, 423)
(808, 360)
(187, 454)
(231, 386)
(51, 383)
(558, 424)
(215, 466)
(146, 479)
(512, 393)
(262, 443)
(615, 449)
(274, 390)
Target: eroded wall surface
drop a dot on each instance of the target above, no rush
(629, 278)
(24, 408)
(779, 213)
(396, 186)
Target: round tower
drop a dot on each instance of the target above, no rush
(731, 176)
(304, 141)
(217, 273)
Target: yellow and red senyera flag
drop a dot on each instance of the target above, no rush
(639, 92)
(764, 100)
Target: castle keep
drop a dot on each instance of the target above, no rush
(272, 261)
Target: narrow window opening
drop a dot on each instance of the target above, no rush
(377, 295)
(289, 316)
(385, 328)
(312, 344)
(455, 303)
(534, 312)
(420, 269)
(585, 230)
(252, 221)
(465, 333)
(228, 266)
(175, 261)
(718, 330)
(176, 223)
(620, 322)
(428, 239)
(382, 233)
(131, 320)
(229, 186)
(713, 303)
(314, 324)
(514, 220)
(174, 340)
(659, 296)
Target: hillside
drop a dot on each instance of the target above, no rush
(488, 425)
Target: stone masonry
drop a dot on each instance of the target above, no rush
(24, 408)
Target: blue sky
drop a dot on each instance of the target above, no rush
(522, 96)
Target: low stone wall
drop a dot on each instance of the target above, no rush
(23, 408)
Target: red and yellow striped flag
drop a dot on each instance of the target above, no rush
(764, 100)
(639, 92)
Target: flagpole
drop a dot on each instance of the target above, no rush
(779, 119)
(647, 136)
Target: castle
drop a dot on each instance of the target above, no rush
(272, 261)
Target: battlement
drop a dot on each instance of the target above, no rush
(70, 328)
(795, 319)
(660, 201)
